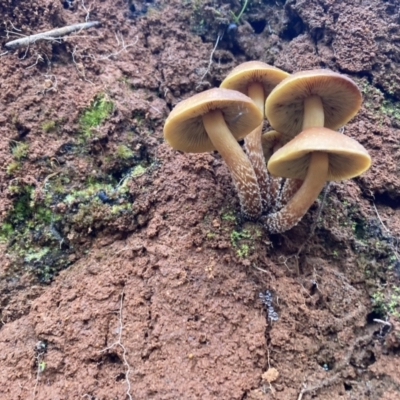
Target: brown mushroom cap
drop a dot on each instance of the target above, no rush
(340, 96)
(347, 157)
(253, 72)
(184, 129)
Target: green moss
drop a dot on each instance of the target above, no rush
(19, 150)
(120, 208)
(138, 170)
(13, 167)
(41, 237)
(48, 126)
(387, 303)
(378, 103)
(228, 216)
(88, 193)
(93, 116)
(124, 152)
(24, 213)
(6, 230)
(243, 250)
(210, 235)
(239, 235)
(28, 229)
(391, 109)
(36, 255)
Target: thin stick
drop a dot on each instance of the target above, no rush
(210, 61)
(123, 47)
(119, 343)
(39, 58)
(379, 217)
(18, 30)
(381, 321)
(87, 11)
(388, 231)
(54, 33)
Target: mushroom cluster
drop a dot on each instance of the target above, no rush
(306, 109)
(284, 170)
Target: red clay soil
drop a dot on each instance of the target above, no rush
(124, 273)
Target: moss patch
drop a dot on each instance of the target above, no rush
(100, 109)
(19, 150)
(29, 232)
(49, 126)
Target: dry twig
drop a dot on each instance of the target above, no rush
(210, 61)
(87, 11)
(50, 35)
(388, 231)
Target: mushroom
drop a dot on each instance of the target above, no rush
(311, 99)
(215, 120)
(256, 80)
(316, 155)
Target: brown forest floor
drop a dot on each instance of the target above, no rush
(124, 274)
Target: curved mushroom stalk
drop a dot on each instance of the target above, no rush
(270, 143)
(256, 79)
(254, 150)
(276, 186)
(315, 155)
(298, 205)
(287, 190)
(209, 121)
(239, 165)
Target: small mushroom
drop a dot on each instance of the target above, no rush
(215, 120)
(311, 99)
(315, 156)
(256, 80)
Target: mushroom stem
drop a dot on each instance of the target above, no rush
(256, 92)
(239, 165)
(254, 148)
(313, 112)
(286, 192)
(298, 205)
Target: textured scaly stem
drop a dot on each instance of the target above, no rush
(254, 148)
(239, 165)
(293, 212)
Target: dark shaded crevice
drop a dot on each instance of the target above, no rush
(317, 34)
(388, 199)
(112, 358)
(347, 387)
(258, 25)
(292, 25)
(388, 96)
(22, 130)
